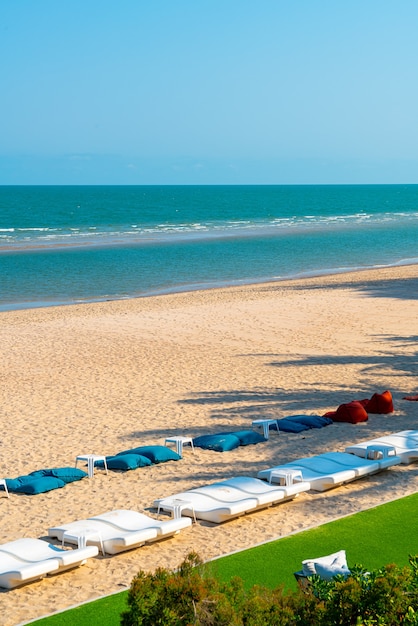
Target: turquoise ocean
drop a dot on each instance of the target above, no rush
(75, 244)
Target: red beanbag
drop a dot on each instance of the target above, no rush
(379, 403)
(352, 412)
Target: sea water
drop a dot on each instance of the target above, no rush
(64, 245)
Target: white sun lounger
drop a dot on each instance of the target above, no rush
(328, 470)
(25, 560)
(370, 464)
(14, 572)
(227, 499)
(206, 507)
(405, 444)
(266, 494)
(119, 530)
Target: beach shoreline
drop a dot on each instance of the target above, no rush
(108, 376)
(202, 287)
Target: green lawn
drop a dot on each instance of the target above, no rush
(103, 612)
(372, 538)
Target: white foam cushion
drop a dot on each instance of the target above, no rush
(337, 560)
(327, 572)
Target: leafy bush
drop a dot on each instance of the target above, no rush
(386, 596)
(192, 596)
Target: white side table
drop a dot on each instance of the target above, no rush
(176, 506)
(82, 536)
(380, 451)
(285, 477)
(91, 459)
(180, 442)
(4, 484)
(265, 424)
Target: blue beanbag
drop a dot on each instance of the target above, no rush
(218, 443)
(125, 462)
(313, 421)
(40, 485)
(15, 483)
(156, 454)
(247, 437)
(290, 426)
(36, 482)
(38, 473)
(67, 474)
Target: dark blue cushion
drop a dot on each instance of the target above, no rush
(67, 474)
(15, 483)
(313, 421)
(156, 454)
(64, 474)
(125, 462)
(289, 426)
(40, 485)
(247, 437)
(218, 443)
(39, 473)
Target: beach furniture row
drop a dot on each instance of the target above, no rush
(41, 481)
(25, 560)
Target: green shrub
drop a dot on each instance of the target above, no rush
(192, 596)
(386, 596)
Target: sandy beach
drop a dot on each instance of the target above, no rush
(104, 377)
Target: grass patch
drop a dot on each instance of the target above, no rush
(373, 538)
(105, 612)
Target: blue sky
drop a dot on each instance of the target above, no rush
(208, 91)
